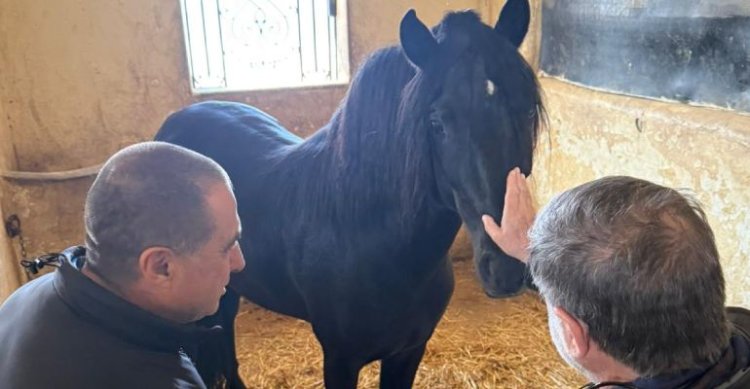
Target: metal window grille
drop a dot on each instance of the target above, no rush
(264, 44)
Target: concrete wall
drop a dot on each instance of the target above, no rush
(9, 273)
(704, 150)
(81, 79)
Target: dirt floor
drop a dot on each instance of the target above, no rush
(480, 343)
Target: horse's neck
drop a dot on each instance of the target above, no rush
(361, 165)
(372, 170)
(348, 185)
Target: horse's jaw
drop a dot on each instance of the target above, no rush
(499, 274)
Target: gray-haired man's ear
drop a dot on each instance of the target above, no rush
(574, 334)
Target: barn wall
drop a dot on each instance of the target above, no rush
(9, 275)
(81, 79)
(707, 151)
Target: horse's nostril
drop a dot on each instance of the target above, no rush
(485, 270)
(488, 269)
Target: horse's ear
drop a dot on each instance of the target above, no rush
(416, 39)
(513, 22)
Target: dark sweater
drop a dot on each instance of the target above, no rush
(62, 330)
(731, 371)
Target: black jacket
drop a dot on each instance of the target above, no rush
(740, 319)
(62, 330)
(731, 371)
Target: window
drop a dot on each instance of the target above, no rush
(263, 44)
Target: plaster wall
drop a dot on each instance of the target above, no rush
(704, 151)
(9, 273)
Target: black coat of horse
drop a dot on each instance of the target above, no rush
(350, 228)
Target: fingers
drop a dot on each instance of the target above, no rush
(520, 197)
(514, 194)
(492, 229)
(510, 235)
(513, 189)
(525, 194)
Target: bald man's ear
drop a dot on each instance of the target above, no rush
(156, 264)
(575, 334)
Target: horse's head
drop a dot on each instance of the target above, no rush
(478, 103)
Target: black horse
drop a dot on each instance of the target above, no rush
(350, 228)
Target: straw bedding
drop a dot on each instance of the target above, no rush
(480, 343)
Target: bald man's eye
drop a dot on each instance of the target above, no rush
(231, 246)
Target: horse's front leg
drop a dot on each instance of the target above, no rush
(229, 349)
(340, 372)
(398, 371)
(216, 359)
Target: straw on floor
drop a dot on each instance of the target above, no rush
(480, 343)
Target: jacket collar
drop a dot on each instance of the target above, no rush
(123, 319)
(735, 360)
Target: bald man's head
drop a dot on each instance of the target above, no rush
(149, 194)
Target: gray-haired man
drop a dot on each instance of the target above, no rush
(634, 289)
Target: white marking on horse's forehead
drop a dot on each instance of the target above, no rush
(490, 88)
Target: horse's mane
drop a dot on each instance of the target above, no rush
(356, 160)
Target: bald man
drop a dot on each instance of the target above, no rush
(162, 237)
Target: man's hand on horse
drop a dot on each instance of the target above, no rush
(518, 216)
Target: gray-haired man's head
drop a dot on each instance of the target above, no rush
(637, 263)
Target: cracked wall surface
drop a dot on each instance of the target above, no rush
(703, 151)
